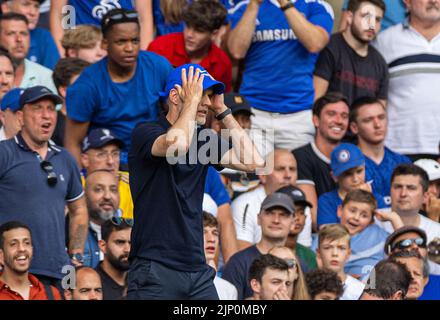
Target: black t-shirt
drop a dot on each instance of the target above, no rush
(314, 168)
(111, 290)
(168, 221)
(349, 73)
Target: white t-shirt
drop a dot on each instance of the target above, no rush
(245, 210)
(225, 289)
(353, 289)
(209, 205)
(2, 134)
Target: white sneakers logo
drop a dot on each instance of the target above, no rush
(105, 5)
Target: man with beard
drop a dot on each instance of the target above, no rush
(102, 196)
(37, 180)
(115, 244)
(330, 118)
(369, 122)
(16, 251)
(412, 51)
(349, 64)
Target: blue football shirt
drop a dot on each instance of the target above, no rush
(278, 75)
(92, 11)
(95, 98)
(43, 49)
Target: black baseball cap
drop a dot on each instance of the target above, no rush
(277, 199)
(236, 102)
(36, 93)
(297, 195)
(100, 137)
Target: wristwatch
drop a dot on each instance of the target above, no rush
(290, 4)
(77, 257)
(223, 115)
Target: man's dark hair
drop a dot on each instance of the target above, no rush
(266, 261)
(387, 278)
(13, 16)
(11, 225)
(320, 280)
(112, 17)
(359, 103)
(209, 220)
(414, 253)
(204, 15)
(330, 97)
(5, 53)
(109, 227)
(413, 170)
(66, 69)
(353, 5)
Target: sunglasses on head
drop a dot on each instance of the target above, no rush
(52, 178)
(290, 262)
(118, 221)
(121, 16)
(404, 244)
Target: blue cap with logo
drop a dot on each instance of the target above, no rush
(344, 157)
(36, 93)
(100, 137)
(11, 100)
(175, 77)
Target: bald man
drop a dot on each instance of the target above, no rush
(102, 197)
(88, 285)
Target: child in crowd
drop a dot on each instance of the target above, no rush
(324, 284)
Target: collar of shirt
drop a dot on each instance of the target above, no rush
(208, 61)
(35, 286)
(22, 144)
(107, 278)
(163, 121)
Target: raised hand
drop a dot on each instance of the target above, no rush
(192, 86)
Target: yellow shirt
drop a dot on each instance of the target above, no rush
(125, 202)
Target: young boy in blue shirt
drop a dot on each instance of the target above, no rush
(348, 169)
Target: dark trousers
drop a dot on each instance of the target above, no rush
(150, 280)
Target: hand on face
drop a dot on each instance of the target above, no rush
(192, 86)
(281, 294)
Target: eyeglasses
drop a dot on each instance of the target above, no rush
(290, 262)
(118, 221)
(404, 244)
(52, 178)
(120, 16)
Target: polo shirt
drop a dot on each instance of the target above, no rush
(413, 99)
(37, 291)
(216, 62)
(26, 196)
(37, 75)
(118, 107)
(168, 219)
(110, 289)
(278, 74)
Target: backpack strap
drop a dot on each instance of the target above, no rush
(49, 292)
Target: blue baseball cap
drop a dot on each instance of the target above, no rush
(100, 137)
(11, 100)
(175, 77)
(36, 93)
(344, 157)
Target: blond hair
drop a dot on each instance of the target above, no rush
(172, 10)
(84, 36)
(333, 232)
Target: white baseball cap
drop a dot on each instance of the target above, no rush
(431, 167)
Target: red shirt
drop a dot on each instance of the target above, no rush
(172, 47)
(37, 291)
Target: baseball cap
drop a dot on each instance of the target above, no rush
(278, 199)
(296, 194)
(399, 232)
(345, 157)
(36, 93)
(236, 102)
(11, 100)
(175, 77)
(431, 167)
(100, 137)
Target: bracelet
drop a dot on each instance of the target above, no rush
(223, 115)
(287, 6)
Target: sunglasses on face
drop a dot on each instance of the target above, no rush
(118, 221)
(52, 178)
(404, 244)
